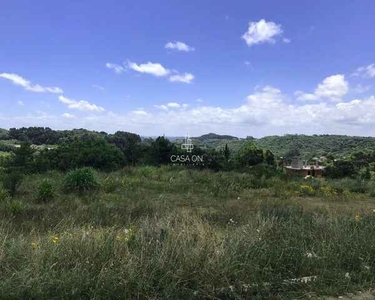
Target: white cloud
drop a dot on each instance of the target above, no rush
(18, 80)
(185, 78)
(305, 96)
(262, 32)
(266, 111)
(286, 40)
(163, 107)
(180, 46)
(81, 105)
(333, 88)
(98, 87)
(140, 112)
(158, 70)
(20, 103)
(117, 68)
(68, 116)
(155, 69)
(365, 71)
(173, 105)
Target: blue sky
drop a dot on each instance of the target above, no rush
(171, 67)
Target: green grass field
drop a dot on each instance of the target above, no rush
(171, 233)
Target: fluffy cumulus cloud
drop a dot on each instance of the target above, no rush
(171, 105)
(140, 112)
(185, 78)
(179, 46)
(365, 71)
(115, 67)
(155, 69)
(68, 116)
(265, 111)
(333, 88)
(158, 70)
(262, 32)
(26, 84)
(81, 105)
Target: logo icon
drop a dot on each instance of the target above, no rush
(188, 144)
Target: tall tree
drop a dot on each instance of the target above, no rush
(129, 144)
(226, 153)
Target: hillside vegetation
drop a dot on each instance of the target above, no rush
(98, 216)
(308, 145)
(315, 145)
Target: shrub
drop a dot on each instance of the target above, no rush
(110, 185)
(371, 186)
(80, 180)
(3, 194)
(12, 180)
(45, 192)
(16, 206)
(353, 185)
(249, 155)
(307, 190)
(329, 192)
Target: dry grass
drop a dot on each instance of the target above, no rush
(168, 233)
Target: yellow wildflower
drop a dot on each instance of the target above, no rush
(34, 245)
(307, 190)
(55, 239)
(358, 218)
(118, 238)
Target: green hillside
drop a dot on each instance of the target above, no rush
(307, 145)
(214, 136)
(3, 134)
(317, 144)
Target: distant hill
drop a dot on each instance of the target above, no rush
(218, 141)
(3, 134)
(315, 145)
(308, 145)
(214, 136)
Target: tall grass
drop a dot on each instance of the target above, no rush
(172, 233)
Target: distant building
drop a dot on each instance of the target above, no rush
(301, 168)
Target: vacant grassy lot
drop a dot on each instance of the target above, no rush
(171, 233)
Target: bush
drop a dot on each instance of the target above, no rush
(45, 193)
(110, 185)
(371, 186)
(3, 194)
(307, 190)
(353, 185)
(12, 180)
(16, 206)
(80, 180)
(330, 192)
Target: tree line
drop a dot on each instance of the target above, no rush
(110, 152)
